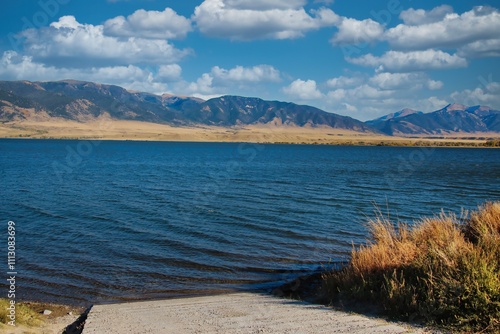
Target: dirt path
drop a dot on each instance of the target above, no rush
(232, 313)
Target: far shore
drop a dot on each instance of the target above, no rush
(106, 129)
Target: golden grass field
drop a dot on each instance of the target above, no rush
(107, 129)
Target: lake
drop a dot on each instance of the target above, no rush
(107, 221)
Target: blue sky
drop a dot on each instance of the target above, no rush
(357, 58)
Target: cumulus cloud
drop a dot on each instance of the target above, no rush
(242, 20)
(343, 81)
(425, 31)
(326, 2)
(18, 67)
(368, 92)
(414, 17)
(397, 61)
(381, 85)
(169, 72)
(479, 49)
(149, 24)
(304, 90)
(219, 81)
(259, 73)
(68, 42)
(398, 81)
(352, 31)
(487, 94)
(202, 86)
(265, 4)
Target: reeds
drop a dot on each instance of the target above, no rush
(443, 271)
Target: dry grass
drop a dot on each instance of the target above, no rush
(109, 129)
(25, 315)
(443, 271)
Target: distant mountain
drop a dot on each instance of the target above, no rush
(454, 118)
(82, 101)
(237, 110)
(399, 114)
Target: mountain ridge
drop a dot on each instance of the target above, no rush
(84, 101)
(81, 100)
(453, 118)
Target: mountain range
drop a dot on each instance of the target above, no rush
(85, 101)
(81, 101)
(453, 118)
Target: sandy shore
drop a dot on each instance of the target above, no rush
(107, 129)
(232, 313)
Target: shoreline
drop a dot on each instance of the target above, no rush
(303, 291)
(457, 144)
(114, 130)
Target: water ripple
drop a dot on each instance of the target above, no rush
(149, 220)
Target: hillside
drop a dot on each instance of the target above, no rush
(22, 101)
(84, 101)
(454, 118)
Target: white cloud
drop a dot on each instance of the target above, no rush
(337, 95)
(304, 90)
(203, 86)
(352, 31)
(369, 92)
(276, 20)
(343, 81)
(265, 4)
(220, 81)
(488, 94)
(350, 108)
(18, 67)
(484, 48)
(326, 2)
(149, 24)
(169, 72)
(434, 84)
(69, 42)
(397, 61)
(259, 73)
(453, 30)
(399, 81)
(415, 17)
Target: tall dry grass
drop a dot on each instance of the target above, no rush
(443, 271)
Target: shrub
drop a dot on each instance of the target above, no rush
(443, 271)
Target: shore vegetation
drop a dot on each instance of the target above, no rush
(442, 271)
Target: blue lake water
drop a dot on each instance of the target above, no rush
(107, 221)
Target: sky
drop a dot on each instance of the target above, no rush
(362, 59)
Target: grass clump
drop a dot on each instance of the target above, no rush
(25, 315)
(493, 143)
(442, 271)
